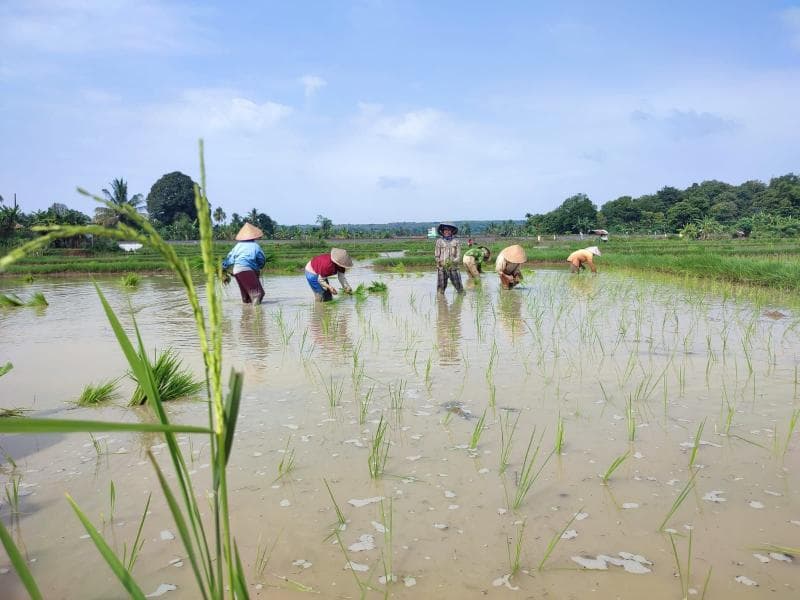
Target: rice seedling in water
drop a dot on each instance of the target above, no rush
(112, 500)
(263, 554)
(792, 425)
(507, 430)
(559, 444)
(98, 449)
(5, 368)
(527, 476)
(12, 494)
(13, 412)
(685, 574)
(788, 550)
(514, 557)
(138, 542)
(679, 500)
(630, 420)
(364, 404)
(615, 464)
(169, 377)
(362, 587)
(93, 395)
(333, 390)
(397, 394)
(555, 539)
(696, 445)
(341, 521)
(131, 280)
(477, 431)
(387, 520)
(215, 565)
(378, 450)
(286, 465)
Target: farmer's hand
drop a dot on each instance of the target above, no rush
(347, 290)
(332, 290)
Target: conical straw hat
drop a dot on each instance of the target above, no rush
(341, 257)
(249, 232)
(594, 250)
(515, 254)
(443, 225)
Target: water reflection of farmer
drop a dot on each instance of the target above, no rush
(319, 268)
(247, 260)
(509, 265)
(580, 259)
(448, 328)
(510, 308)
(328, 325)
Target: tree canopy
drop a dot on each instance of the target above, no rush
(170, 197)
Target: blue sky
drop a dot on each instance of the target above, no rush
(375, 110)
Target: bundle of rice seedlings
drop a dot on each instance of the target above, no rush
(131, 280)
(171, 379)
(10, 300)
(93, 395)
(377, 287)
(37, 300)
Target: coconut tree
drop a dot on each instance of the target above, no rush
(219, 215)
(108, 216)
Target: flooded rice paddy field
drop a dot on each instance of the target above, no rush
(621, 366)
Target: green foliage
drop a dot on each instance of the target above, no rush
(118, 196)
(170, 197)
(169, 377)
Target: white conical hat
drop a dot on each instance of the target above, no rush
(249, 232)
(341, 257)
(594, 250)
(514, 254)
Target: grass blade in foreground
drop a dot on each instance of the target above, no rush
(26, 425)
(107, 553)
(19, 563)
(555, 539)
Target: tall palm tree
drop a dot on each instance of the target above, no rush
(252, 216)
(108, 216)
(219, 215)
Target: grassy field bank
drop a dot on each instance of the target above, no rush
(767, 263)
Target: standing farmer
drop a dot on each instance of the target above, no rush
(447, 252)
(581, 258)
(319, 268)
(509, 265)
(247, 260)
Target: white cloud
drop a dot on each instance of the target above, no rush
(412, 127)
(311, 84)
(791, 19)
(86, 26)
(210, 111)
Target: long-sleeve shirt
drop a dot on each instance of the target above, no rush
(447, 252)
(245, 256)
(324, 267)
(579, 257)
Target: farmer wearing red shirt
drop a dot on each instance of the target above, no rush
(323, 266)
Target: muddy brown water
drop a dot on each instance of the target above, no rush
(576, 346)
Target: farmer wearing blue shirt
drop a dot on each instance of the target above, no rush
(247, 259)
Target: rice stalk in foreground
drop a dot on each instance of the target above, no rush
(129, 560)
(795, 416)
(286, 464)
(263, 555)
(685, 573)
(507, 430)
(170, 378)
(556, 539)
(213, 558)
(5, 368)
(92, 395)
(341, 521)
(559, 443)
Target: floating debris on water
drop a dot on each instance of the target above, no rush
(354, 566)
(284, 503)
(714, 496)
(632, 563)
(363, 502)
(379, 527)
(441, 526)
(755, 504)
(630, 505)
(581, 516)
(761, 557)
(569, 534)
(167, 535)
(301, 562)
(382, 579)
(745, 581)
(364, 543)
(162, 589)
(780, 556)
(449, 494)
(409, 581)
(414, 458)
(506, 581)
